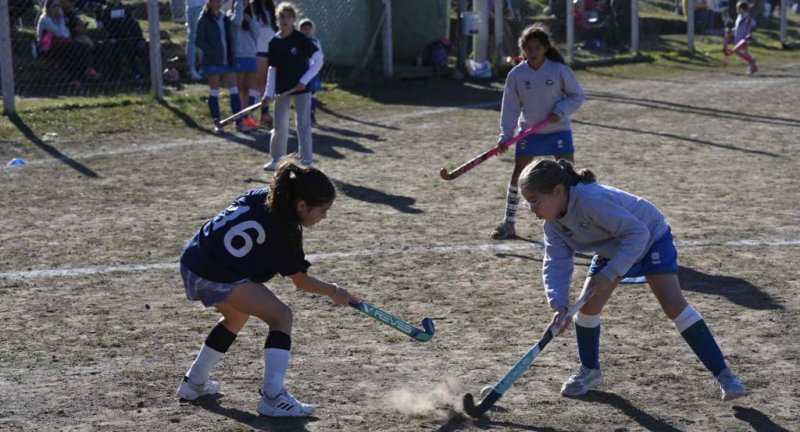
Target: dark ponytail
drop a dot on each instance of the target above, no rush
(291, 183)
(544, 175)
(540, 32)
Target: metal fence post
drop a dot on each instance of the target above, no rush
(570, 32)
(6, 61)
(635, 26)
(388, 45)
(690, 25)
(156, 79)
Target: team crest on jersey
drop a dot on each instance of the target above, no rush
(521, 144)
(527, 84)
(655, 257)
(294, 51)
(585, 224)
(549, 83)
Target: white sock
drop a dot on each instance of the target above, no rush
(200, 370)
(686, 318)
(276, 362)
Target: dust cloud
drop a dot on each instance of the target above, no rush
(441, 400)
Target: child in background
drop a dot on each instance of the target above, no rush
(229, 259)
(193, 10)
(542, 87)
(247, 30)
(296, 60)
(745, 24)
(315, 85)
(215, 39)
(629, 238)
(264, 12)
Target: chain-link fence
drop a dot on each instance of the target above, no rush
(79, 47)
(349, 32)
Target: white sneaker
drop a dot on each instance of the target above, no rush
(503, 231)
(195, 76)
(190, 391)
(283, 405)
(730, 385)
(272, 166)
(583, 380)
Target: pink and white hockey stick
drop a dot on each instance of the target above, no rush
(477, 160)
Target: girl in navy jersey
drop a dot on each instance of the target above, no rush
(297, 61)
(629, 238)
(542, 87)
(227, 262)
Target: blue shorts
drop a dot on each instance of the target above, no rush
(217, 70)
(208, 292)
(661, 258)
(245, 64)
(315, 84)
(556, 143)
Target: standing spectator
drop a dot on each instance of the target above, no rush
(193, 10)
(264, 11)
(745, 24)
(542, 87)
(215, 39)
(307, 28)
(55, 42)
(296, 60)
(247, 31)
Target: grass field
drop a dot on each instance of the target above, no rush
(97, 331)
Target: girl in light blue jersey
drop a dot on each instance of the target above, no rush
(227, 263)
(629, 238)
(542, 87)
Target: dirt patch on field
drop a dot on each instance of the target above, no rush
(96, 330)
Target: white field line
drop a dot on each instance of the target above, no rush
(142, 148)
(485, 247)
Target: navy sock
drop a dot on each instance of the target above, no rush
(278, 339)
(702, 342)
(588, 345)
(220, 338)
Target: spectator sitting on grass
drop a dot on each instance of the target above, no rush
(55, 42)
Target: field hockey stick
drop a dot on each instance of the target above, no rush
(477, 160)
(520, 366)
(269, 90)
(397, 323)
(251, 108)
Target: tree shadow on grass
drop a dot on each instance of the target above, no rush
(758, 420)
(678, 138)
(739, 116)
(50, 150)
(211, 404)
(460, 423)
(736, 290)
(400, 203)
(644, 419)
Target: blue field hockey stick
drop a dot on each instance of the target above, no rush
(397, 323)
(520, 366)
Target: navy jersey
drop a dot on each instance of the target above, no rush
(243, 241)
(291, 56)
